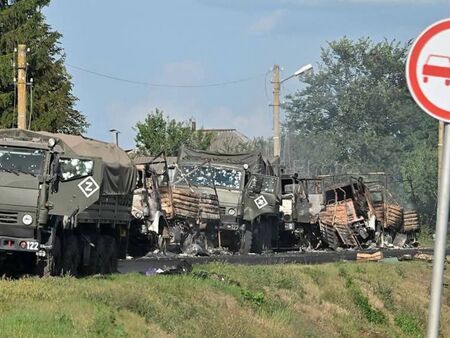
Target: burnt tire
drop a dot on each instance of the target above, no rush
(70, 256)
(107, 255)
(257, 238)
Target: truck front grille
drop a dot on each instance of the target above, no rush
(8, 217)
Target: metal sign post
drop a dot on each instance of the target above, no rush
(441, 239)
(428, 80)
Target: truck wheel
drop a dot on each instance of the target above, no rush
(246, 241)
(257, 237)
(70, 255)
(106, 255)
(266, 236)
(51, 266)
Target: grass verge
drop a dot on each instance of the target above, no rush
(220, 300)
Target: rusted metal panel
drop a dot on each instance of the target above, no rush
(335, 220)
(187, 203)
(394, 216)
(410, 220)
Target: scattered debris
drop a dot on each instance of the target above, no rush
(424, 257)
(181, 268)
(369, 257)
(405, 258)
(215, 276)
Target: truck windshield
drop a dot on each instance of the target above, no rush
(20, 160)
(202, 176)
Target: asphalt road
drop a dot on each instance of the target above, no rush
(141, 265)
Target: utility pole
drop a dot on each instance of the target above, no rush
(115, 133)
(276, 111)
(22, 86)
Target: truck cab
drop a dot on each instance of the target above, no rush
(57, 211)
(247, 193)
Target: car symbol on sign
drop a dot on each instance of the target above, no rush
(437, 66)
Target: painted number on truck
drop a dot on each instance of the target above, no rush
(88, 186)
(32, 245)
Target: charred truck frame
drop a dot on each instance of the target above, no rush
(65, 202)
(231, 200)
(301, 202)
(360, 213)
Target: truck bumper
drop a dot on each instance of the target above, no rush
(18, 244)
(229, 227)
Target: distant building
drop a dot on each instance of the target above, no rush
(227, 140)
(223, 141)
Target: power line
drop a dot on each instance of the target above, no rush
(164, 85)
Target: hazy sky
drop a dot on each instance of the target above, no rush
(210, 41)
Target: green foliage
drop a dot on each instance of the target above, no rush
(409, 324)
(385, 293)
(420, 172)
(158, 133)
(356, 112)
(256, 298)
(22, 22)
(361, 301)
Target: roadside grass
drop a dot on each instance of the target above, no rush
(221, 300)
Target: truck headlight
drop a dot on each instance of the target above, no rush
(51, 142)
(27, 219)
(231, 211)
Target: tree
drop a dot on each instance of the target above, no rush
(22, 22)
(359, 101)
(159, 133)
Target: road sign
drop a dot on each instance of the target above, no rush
(428, 77)
(428, 70)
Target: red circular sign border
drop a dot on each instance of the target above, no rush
(411, 71)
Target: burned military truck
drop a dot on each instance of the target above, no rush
(65, 202)
(361, 212)
(150, 229)
(301, 202)
(247, 193)
(348, 219)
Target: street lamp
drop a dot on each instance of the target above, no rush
(115, 133)
(276, 103)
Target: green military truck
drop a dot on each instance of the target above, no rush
(65, 203)
(248, 195)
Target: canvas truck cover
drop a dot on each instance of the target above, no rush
(257, 164)
(119, 172)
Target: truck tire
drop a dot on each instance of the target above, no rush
(266, 235)
(70, 255)
(257, 237)
(107, 255)
(246, 241)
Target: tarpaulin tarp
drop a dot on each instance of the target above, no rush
(119, 172)
(257, 164)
